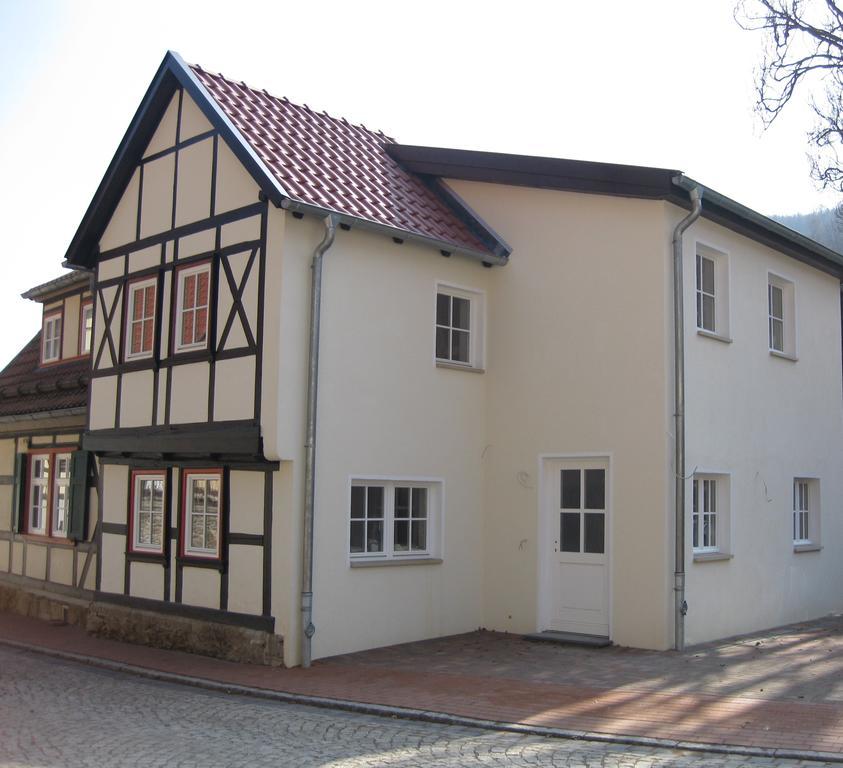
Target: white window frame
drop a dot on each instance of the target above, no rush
(806, 510)
(720, 260)
(51, 337)
(187, 512)
(476, 331)
(59, 482)
(43, 483)
(182, 275)
(788, 318)
(138, 477)
(718, 508)
(434, 518)
(134, 288)
(86, 342)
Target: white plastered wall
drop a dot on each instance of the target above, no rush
(764, 420)
(576, 365)
(384, 409)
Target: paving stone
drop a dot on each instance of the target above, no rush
(56, 713)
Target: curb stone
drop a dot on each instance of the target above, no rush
(441, 718)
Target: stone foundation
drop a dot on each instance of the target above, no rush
(131, 625)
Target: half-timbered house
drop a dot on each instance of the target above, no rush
(496, 442)
(48, 483)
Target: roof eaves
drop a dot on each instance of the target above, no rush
(746, 221)
(45, 289)
(444, 246)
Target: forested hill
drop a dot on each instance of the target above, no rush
(825, 226)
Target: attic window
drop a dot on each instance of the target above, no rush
(51, 338)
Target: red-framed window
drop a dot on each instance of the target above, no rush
(192, 306)
(86, 327)
(140, 318)
(147, 511)
(51, 337)
(47, 493)
(201, 513)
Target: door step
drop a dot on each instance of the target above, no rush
(570, 638)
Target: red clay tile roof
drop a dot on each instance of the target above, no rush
(27, 388)
(332, 164)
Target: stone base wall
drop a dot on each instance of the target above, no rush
(158, 630)
(179, 633)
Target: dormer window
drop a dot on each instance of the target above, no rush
(51, 338)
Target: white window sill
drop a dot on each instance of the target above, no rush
(396, 561)
(808, 547)
(783, 355)
(712, 335)
(711, 557)
(459, 367)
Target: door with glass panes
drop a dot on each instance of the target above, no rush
(576, 590)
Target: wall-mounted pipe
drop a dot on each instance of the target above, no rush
(310, 438)
(681, 607)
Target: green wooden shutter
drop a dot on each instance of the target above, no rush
(19, 495)
(77, 528)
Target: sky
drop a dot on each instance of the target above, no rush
(666, 83)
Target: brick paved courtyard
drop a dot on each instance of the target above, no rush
(56, 713)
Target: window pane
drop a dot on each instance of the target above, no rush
(571, 489)
(210, 533)
(374, 539)
(402, 502)
(401, 538)
(419, 538)
(708, 313)
(777, 334)
(375, 507)
(212, 501)
(157, 495)
(419, 502)
(461, 317)
(443, 309)
(776, 304)
(197, 531)
(202, 290)
(157, 529)
(144, 528)
(459, 346)
(595, 489)
(358, 529)
(570, 532)
(189, 292)
(443, 344)
(358, 502)
(594, 532)
(201, 324)
(707, 268)
(198, 502)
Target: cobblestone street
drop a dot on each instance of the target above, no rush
(56, 713)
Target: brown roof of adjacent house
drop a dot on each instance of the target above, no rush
(330, 163)
(28, 388)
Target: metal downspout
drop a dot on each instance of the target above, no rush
(681, 607)
(310, 438)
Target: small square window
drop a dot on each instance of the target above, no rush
(395, 519)
(194, 290)
(140, 319)
(51, 338)
(202, 514)
(781, 316)
(459, 327)
(710, 524)
(806, 511)
(712, 291)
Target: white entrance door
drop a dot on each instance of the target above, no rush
(575, 594)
